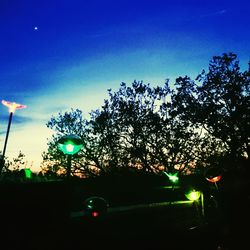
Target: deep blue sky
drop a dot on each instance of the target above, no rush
(82, 48)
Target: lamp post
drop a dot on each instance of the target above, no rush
(70, 145)
(12, 106)
(213, 175)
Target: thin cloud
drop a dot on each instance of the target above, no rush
(203, 16)
(216, 13)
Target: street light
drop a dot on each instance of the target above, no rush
(195, 195)
(12, 106)
(213, 175)
(69, 145)
(172, 177)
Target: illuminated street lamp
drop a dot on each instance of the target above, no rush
(195, 195)
(12, 106)
(213, 175)
(172, 177)
(70, 145)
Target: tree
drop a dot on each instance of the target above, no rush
(128, 126)
(185, 110)
(15, 164)
(13, 168)
(219, 104)
(135, 129)
(225, 103)
(199, 123)
(84, 162)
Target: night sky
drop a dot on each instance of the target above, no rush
(61, 54)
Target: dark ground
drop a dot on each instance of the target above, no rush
(37, 216)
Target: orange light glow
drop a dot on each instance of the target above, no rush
(214, 179)
(13, 106)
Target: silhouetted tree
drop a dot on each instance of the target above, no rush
(225, 104)
(129, 126)
(12, 170)
(198, 124)
(136, 128)
(219, 104)
(16, 163)
(84, 162)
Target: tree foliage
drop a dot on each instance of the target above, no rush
(225, 103)
(54, 161)
(219, 103)
(197, 124)
(13, 168)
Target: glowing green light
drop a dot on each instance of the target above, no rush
(70, 144)
(172, 177)
(193, 195)
(69, 148)
(28, 173)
